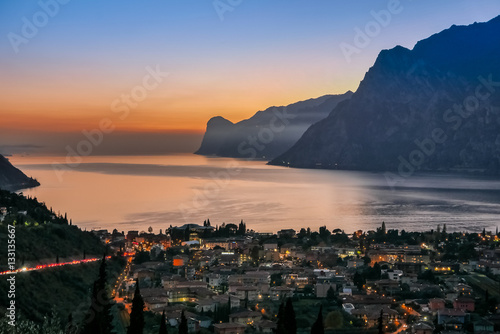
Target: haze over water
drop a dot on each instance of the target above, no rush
(135, 192)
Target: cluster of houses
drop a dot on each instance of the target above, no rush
(205, 276)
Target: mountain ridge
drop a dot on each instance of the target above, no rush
(405, 98)
(274, 129)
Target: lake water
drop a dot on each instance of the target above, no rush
(135, 192)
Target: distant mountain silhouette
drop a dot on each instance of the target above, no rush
(269, 132)
(435, 108)
(12, 178)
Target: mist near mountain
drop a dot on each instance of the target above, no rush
(269, 132)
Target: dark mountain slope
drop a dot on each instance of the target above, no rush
(12, 178)
(429, 108)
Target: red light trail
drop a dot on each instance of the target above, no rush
(51, 265)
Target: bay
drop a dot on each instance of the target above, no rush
(138, 192)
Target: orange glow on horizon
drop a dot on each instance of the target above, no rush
(191, 117)
(71, 100)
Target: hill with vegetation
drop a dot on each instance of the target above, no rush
(41, 233)
(58, 291)
(45, 298)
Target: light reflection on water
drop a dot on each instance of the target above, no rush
(135, 192)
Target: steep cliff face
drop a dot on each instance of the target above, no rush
(217, 129)
(269, 132)
(12, 178)
(436, 107)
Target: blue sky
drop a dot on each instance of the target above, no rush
(263, 52)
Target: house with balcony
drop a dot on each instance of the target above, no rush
(280, 293)
(250, 293)
(464, 304)
(436, 304)
(370, 315)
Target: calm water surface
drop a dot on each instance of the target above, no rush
(135, 192)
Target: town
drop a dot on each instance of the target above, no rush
(229, 279)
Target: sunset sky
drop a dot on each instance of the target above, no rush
(71, 71)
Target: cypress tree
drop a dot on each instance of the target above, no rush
(358, 280)
(317, 327)
(99, 318)
(217, 314)
(330, 294)
(281, 320)
(377, 270)
(137, 313)
(183, 325)
(163, 325)
(227, 312)
(290, 321)
(242, 228)
(381, 322)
